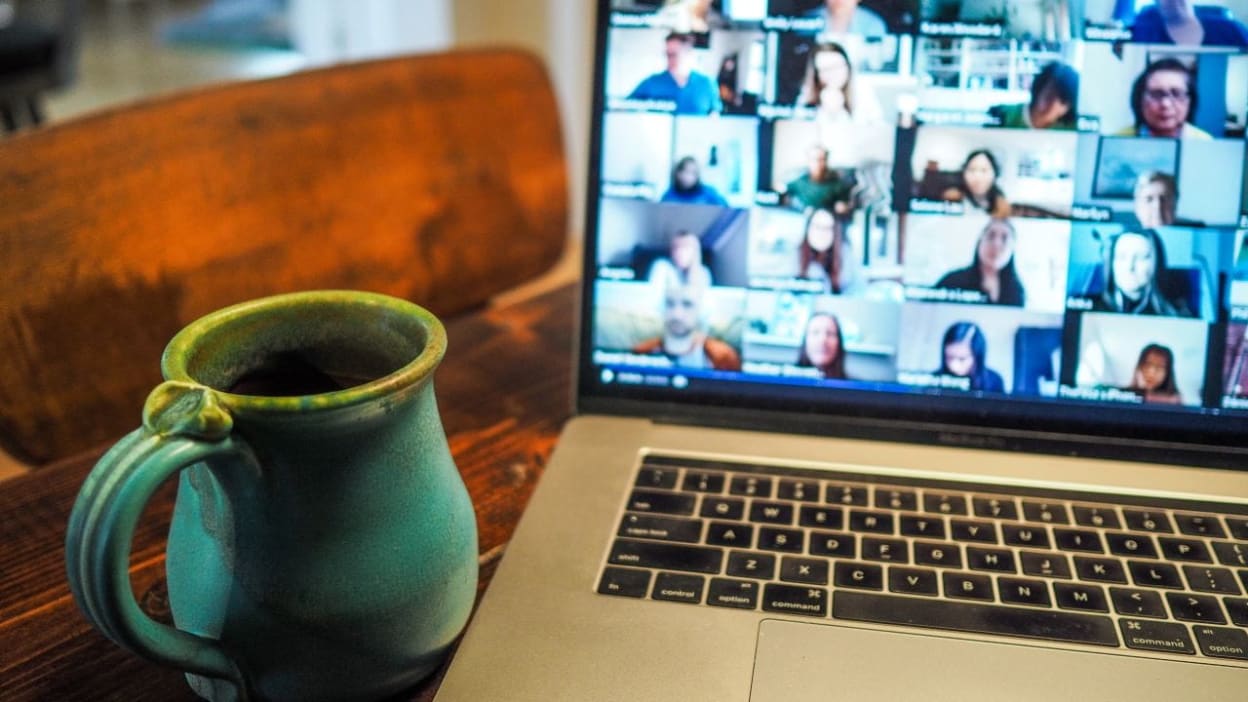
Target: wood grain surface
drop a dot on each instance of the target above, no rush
(439, 179)
(504, 392)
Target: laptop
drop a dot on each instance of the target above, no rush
(912, 365)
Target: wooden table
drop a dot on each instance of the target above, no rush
(504, 393)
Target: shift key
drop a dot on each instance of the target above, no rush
(653, 554)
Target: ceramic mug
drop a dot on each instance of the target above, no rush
(323, 545)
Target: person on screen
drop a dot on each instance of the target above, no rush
(963, 351)
(683, 266)
(696, 16)
(823, 346)
(824, 254)
(978, 185)
(992, 271)
(1054, 101)
(683, 340)
(1156, 199)
(1154, 376)
(1163, 100)
(820, 186)
(828, 86)
(687, 187)
(1134, 263)
(1178, 22)
(692, 92)
(846, 17)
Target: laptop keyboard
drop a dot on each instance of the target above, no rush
(1149, 574)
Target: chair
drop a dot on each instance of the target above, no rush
(439, 179)
(38, 53)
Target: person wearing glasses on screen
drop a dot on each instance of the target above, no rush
(977, 186)
(1054, 101)
(829, 87)
(823, 346)
(1163, 100)
(824, 255)
(1135, 263)
(963, 353)
(992, 271)
(693, 92)
(1154, 376)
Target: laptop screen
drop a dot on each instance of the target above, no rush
(1027, 215)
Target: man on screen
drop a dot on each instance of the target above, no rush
(820, 187)
(683, 339)
(692, 92)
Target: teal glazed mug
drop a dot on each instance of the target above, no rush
(323, 545)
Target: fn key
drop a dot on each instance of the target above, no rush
(624, 582)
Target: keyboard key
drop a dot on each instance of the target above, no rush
(1090, 598)
(1024, 592)
(655, 554)
(1216, 580)
(1049, 565)
(729, 534)
(1101, 570)
(661, 502)
(1131, 545)
(1219, 642)
(674, 587)
(800, 490)
(892, 550)
(741, 594)
(751, 565)
(860, 576)
(809, 571)
(786, 540)
(1231, 554)
(1078, 540)
(1045, 512)
(1095, 516)
(1155, 575)
(890, 498)
(939, 555)
(1141, 520)
(823, 543)
(1199, 525)
(978, 532)
(850, 495)
(1137, 603)
(1173, 549)
(624, 582)
(795, 599)
(993, 559)
(650, 526)
(771, 513)
(1238, 526)
(661, 478)
(1025, 535)
(1237, 607)
(973, 618)
(750, 486)
(703, 481)
(924, 526)
(995, 507)
(1195, 608)
(943, 503)
(821, 517)
(913, 581)
(871, 522)
(967, 586)
(723, 508)
(1167, 637)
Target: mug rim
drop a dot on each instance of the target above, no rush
(174, 361)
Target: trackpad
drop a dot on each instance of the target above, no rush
(797, 662)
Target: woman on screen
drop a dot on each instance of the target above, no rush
(683, 266)
(1163, 100)
(824, 254)
(1135, 262)
(695, 16)
(978, 187)
(992, 270)
(1054, 101)
(1154, 376)
(823, 346)
(687, 187)
(962, 356)
(1156, 198)
(829, 88)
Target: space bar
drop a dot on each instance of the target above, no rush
(975, 618)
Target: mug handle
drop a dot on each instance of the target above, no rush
(183, 424)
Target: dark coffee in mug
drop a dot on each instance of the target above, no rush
(293, 374)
